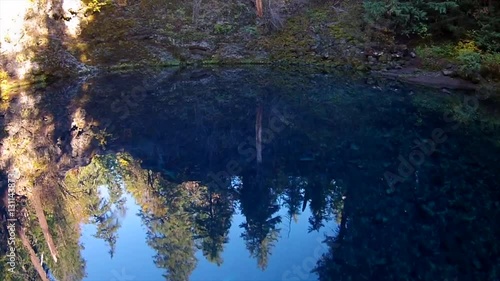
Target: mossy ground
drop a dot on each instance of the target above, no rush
(322, 34)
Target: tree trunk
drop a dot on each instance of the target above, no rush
(34, 258)
(258, 5)
(258, 133)
(43, 224)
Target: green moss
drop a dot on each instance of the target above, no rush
(253, 61)
(293, 41)
(211, 62)
(125, 67)
(436, 57)
(304, 34)
(318, 15)
(223, 28)
(169, 63)
(246, 61)
(338, 31)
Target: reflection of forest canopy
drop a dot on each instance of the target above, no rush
(258, 205)
(179, 218)
(309, 169)
(103, 211)
(429, 224)
(182, 217)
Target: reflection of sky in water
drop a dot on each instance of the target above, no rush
(289, 252)
(133, 259)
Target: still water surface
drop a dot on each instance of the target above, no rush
(267, 174)
(391, 173)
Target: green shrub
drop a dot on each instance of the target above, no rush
(470, 63)
(94, 6)
(469, 58)
(488, 35)
(407, 17)
(404, 17)
(491, 66)
(488, 40)
(465, 54)
(465, 47)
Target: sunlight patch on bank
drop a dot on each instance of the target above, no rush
(73, 25)
(15, 36)
(12, 14)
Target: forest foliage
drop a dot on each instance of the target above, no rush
(471, 20)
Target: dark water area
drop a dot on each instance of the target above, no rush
(269, 174)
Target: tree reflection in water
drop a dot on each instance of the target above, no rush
(441, 224)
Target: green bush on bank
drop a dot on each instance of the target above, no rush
(440, 18)
(488, 35)
(466, 55)
(490, 66)
(407, 17)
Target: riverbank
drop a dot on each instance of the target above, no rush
(74, 39)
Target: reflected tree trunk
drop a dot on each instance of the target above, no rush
(37, 204)
(34, 258)
(258, 133)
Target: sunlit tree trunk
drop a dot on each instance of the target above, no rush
(258, 133)
(258, 5)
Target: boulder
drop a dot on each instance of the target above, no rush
(448, 72)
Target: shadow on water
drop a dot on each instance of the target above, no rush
(195, 147)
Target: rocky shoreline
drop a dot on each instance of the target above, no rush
(119, 38)
(431, 79)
